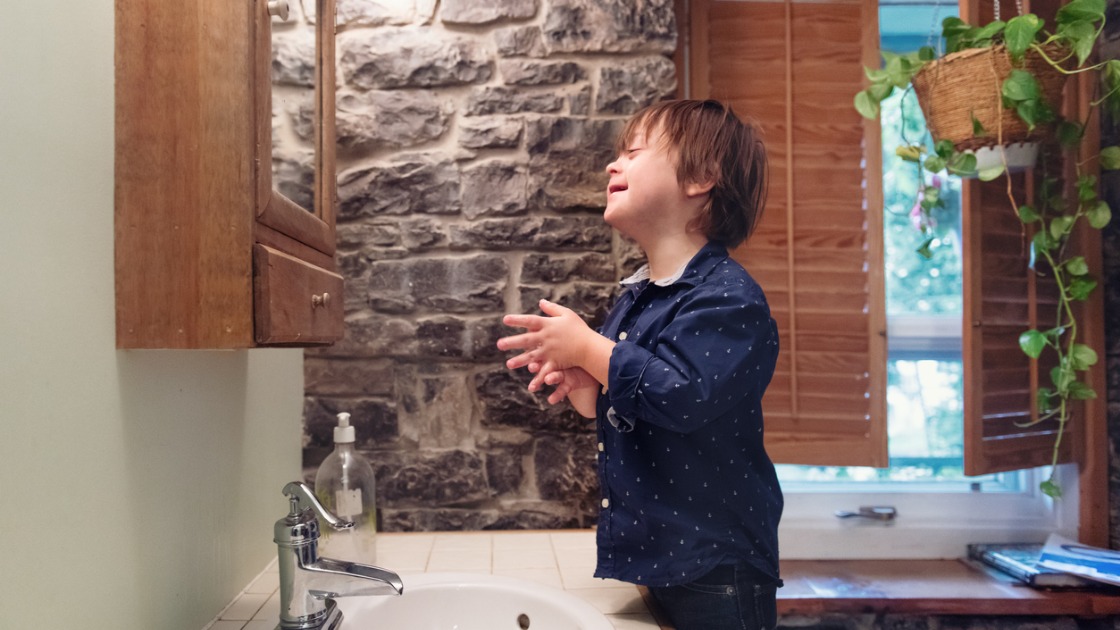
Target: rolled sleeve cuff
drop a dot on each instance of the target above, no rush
(628, 363)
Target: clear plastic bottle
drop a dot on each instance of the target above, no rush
(345, 485)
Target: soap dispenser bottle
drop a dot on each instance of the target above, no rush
(345, 485)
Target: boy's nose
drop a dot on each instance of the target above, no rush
(612, 168)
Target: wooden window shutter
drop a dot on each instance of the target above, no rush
(793, 67)
(1003, 297)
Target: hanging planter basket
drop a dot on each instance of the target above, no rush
(967, 84)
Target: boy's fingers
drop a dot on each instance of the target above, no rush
(519, 361)
(517, 342)
(552, 308)
(521, 321)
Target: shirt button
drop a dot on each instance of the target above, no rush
(606, 503)
(600, 447)
(622, 336)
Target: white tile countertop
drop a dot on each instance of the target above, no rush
(564, 559)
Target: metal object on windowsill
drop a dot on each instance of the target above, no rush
(871, 512)
(309, 583)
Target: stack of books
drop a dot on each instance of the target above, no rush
(1020, 561)
(1060, 563)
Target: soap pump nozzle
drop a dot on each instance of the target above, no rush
(344, 432)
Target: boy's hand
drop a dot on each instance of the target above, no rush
(566, 382)
(559, 345)
(555, 341)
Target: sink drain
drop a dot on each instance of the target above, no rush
(523, 621)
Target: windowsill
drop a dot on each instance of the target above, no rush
(919, 587)
(929, 587)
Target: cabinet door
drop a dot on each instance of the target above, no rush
(311, 223)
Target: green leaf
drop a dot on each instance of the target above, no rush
(1110, 158)
(1086, 188)
(1082, 357)
(963, 164)
(880, 91)
(1077, 266)
(988, 174)
(927, 53)
(978, 130)
(944, 149)
(1020, 32)
(1069, 134)
(935, 164)
(1061, 378)
(1079, 37)
(1054, 333)
(1060, 226)
(1081, 391)
(1044, 400)
(1081, 10)
(1032, 342)
(1020, 86)
(1028, 214)
(866, 106)
(953, 29)
(1080, 288)
(876, 75)
(1111, 78)
(1042, 241)
(899, 72)
(989, 30)
(1099, 215)
(923, 249)
(1051, 489)
(1033, 112)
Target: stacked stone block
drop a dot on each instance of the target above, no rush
(472, 138)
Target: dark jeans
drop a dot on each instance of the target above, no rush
(731, 597)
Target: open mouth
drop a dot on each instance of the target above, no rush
(615, 188)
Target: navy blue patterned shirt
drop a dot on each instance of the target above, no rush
(686, 482)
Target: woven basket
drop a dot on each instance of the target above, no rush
(964, 84)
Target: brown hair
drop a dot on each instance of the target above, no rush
(711, 144)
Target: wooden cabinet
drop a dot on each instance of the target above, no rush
(208, 253)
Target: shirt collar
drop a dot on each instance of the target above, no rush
(690, 273)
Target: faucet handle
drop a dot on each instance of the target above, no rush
(301, 527)
(301, 495)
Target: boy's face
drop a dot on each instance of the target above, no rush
(643, 192)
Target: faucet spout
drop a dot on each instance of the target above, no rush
(339, 578)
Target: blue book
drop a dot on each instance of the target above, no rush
(1070, 556)
(1021, 561)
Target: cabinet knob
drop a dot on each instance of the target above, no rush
(278, 8)
(323, 300)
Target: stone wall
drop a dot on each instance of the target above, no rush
(472, 140)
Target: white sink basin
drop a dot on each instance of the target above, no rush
(469, 601)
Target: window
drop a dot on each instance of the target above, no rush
(842, 278)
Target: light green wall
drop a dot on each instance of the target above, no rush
(137, 488)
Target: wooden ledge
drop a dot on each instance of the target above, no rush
(917, 587)
(925, 587)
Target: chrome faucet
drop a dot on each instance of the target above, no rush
(309, 583)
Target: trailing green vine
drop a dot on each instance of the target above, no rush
(1056, 219)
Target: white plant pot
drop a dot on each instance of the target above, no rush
(1019, 156)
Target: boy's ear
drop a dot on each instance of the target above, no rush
(697, 189)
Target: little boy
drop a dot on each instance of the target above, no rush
(676, 374)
